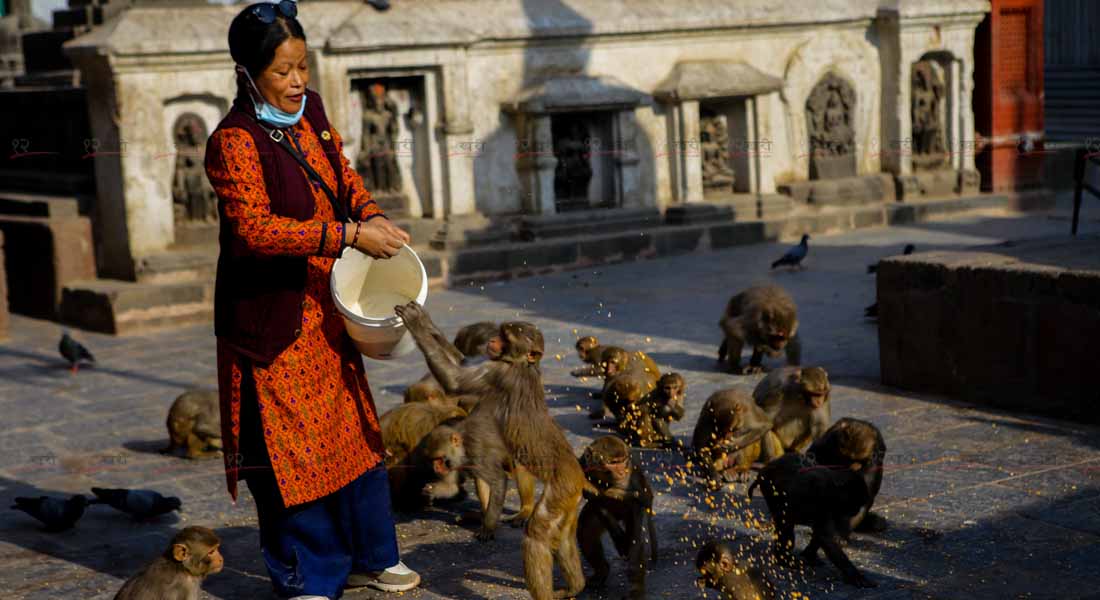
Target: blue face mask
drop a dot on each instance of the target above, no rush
(268, 113)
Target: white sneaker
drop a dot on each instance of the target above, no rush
(397, 578)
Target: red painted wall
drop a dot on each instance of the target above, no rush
(1008, 95)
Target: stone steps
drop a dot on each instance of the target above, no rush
(176, 287)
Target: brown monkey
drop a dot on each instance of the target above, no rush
(629, 377)
(731, 434)
(647, 423)
(797, 401)
(799, 492)
(720, 569)
(859, 446)
(405, 425)
(512, 402)
(432, 471)
(194, 425)
(765, 318)
(472, 339)
(623, 507)
(594, 355)
(177, 574)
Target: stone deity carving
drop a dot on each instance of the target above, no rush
(928, 103)
(192, 196)
(714, 141)
(829, 113)
(377, 152)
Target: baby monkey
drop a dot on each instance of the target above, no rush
(720, 569)
(646, 423)
(195, 425)
(623, 508)
(177, 574)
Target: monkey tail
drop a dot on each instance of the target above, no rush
(777, 263)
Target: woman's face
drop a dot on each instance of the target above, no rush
(283, 82)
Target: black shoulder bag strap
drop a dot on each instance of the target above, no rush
(280, 138)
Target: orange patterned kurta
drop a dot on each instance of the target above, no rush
(318, 416)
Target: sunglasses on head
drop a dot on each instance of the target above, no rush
(267, 12)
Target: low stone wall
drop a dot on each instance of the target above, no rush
(51, 252)
(1014, 326)
(3, 292)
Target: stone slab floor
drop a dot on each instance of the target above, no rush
(982, 504)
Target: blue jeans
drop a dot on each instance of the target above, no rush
(311, 548)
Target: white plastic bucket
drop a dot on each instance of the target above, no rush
(366, 290)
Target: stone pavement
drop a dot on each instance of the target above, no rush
(982, 504)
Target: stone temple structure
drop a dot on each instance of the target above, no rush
(500, 131)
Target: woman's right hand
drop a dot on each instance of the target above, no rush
(378, 238)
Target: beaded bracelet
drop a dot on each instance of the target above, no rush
(355, 238)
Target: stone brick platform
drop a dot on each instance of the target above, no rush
(1014, 325)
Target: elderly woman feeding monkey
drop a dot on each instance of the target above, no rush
(298, 420)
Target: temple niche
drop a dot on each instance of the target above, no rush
(929, 99)
(830, 109)
(389, 144)
(192, 196)
(714, 144)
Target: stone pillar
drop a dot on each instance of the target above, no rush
(536, 163)
(3, 293)
(626, 159)
(688, 154)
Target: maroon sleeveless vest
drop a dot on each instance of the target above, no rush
(258, 299)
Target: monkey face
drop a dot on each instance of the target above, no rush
(213, 562)
(584, 346)
(521, 342)
(714, 560)
(672, 387)
(615, 361)
(494, 348)
(815, 386)
(815, 399)
(606, 462)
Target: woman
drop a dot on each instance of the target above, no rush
(298, 420)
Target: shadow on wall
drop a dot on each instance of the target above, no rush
(588, 143)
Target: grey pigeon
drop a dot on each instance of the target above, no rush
(57, 514)
(909, 248)
(871, 312)
(73, 351)
(794, 256)
(379, 4)
(142, 504)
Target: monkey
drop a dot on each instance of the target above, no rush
(647, 424)
(720, 569)
(177, 574)
(405, 425)
(194, 425)
(765, 318)
(432, 471)
(594, 355)
(472, 339)
(797, 401)
(799, 492)
(512, 403)
(623, 506)
(628, 379)
(859, 446)
(731, 434)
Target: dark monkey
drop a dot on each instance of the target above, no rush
(720, 569)
(512, 402)
(432, 471)
(859, 446)
(646, 424)
(799, 492)
(177, 574)
(731, 434)
(797, 401)
(623, 507)
(765, 318)
(194, 425)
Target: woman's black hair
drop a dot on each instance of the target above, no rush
(252, 42)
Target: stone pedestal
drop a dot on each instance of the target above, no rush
(462, 231)
(3, 292)
(52, 252)
(1011, 325)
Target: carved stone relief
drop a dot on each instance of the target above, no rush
(830, 110)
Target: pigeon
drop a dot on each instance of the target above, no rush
(794, 256)
(871, 312)
(73, 351)
(379, 4)
(142, 504)
(58, 514)
(909, 248)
